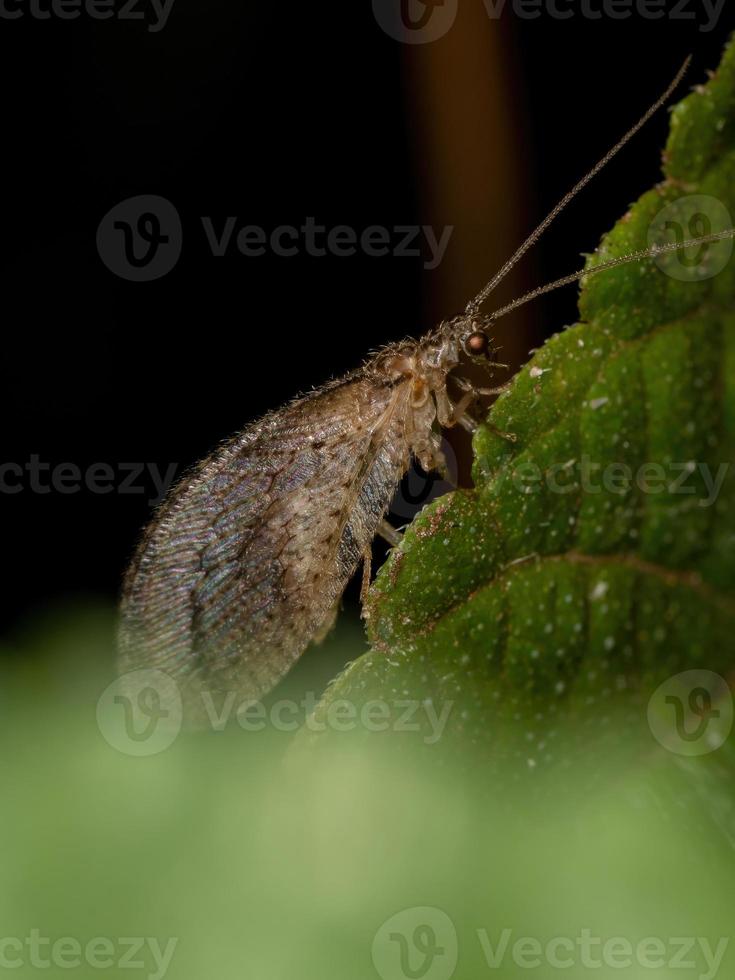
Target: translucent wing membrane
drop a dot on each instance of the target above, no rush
(245, 562)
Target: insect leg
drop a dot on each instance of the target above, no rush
(430, 454)
(390, 534)
(468, 423)
(508, 436)
(460, 415)
(467, 386)
(367, 564)
(449, 415)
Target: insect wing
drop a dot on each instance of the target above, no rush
(245, 561)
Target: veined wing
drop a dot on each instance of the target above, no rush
(246, 559)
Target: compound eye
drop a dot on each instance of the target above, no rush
(477, 344)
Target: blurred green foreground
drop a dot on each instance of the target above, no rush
(242, 854)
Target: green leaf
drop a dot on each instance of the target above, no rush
(596, 555)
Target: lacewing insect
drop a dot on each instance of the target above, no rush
(244, 564)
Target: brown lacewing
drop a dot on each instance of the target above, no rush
(244, 564)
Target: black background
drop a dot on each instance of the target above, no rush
(271, 113)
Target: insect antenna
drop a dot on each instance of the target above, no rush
(644, 253)
(474, 305)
